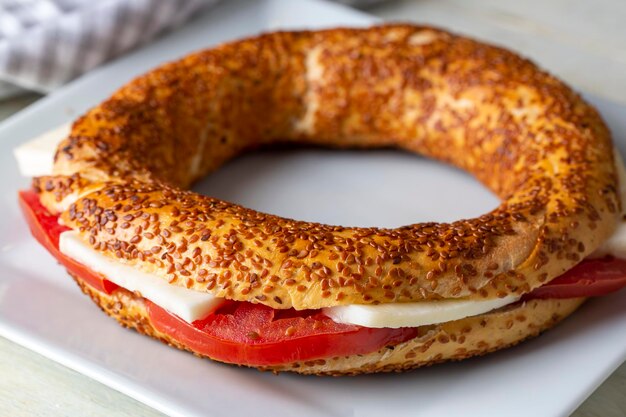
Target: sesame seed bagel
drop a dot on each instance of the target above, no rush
(524, 134)
(455, 340)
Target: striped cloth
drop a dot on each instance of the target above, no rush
(46, 43)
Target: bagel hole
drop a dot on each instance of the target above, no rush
(372, 188)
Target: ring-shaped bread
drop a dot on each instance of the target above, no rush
(520, 131)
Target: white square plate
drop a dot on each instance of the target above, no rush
(42, 309)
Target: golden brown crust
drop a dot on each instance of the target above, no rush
(456, 340)
(520, 131)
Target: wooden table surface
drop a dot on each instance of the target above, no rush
(583, 42)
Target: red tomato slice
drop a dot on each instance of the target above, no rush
(254, 334)
(590, 278)
(46, 229)
(241, 333)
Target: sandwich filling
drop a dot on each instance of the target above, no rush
(257, 335)
(192, 305)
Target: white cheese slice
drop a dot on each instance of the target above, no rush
(413, 314)
(615, 246)
(194, 305)
(187, 304)
(36, 157)
(621, 177)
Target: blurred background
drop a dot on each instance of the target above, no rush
(47, 43)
